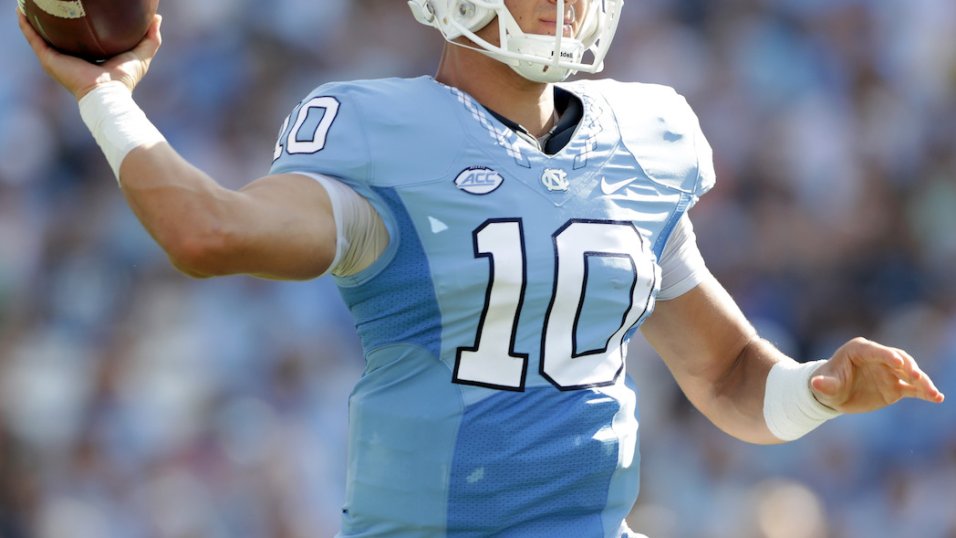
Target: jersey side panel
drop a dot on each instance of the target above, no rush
(403, 421)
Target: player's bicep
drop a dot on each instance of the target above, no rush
(325, 226)
(288, 229)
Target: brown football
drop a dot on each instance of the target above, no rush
(91, 29)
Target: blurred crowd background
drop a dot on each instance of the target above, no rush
(138, 403)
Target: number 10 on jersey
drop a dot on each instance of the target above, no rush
(495, 363)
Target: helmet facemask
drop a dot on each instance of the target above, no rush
(536, 57)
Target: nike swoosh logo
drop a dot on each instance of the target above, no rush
(611, 188)
(630, 195)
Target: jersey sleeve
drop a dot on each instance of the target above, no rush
(360, 233)
(682, 265)
(325, 137)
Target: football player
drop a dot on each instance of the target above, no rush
(498, 234)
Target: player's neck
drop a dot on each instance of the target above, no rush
(498, 87)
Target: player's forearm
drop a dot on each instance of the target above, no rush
(736, 399)
(172, 199)
(765, 397)
(716, 357)
(183, 209)
(277, 227)
(197, 222)
(722, 366)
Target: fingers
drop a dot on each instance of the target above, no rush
(131, 66)
(47, 55)
(43, 51)
(911, 374)
(914, 383)
(825, 385)
(149, 46)
(863, 350)
(157, 25)
(909, 390)
(896, 359)
(36, 42)
(907, 364)
(826, 390)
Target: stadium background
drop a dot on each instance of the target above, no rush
(135, 402)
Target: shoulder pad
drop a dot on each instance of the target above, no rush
(659, 128)
(377, 132)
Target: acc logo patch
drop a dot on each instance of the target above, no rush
(479, 180)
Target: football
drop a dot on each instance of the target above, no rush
(91, 29)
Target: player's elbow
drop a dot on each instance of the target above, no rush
(199, 252)
(188, 270)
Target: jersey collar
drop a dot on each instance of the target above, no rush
(570, 110)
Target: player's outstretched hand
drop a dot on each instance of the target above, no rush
(79, 76)
(865, 376)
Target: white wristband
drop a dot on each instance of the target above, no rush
(117, 123)
(789, 408)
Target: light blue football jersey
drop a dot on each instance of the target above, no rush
(495, 400)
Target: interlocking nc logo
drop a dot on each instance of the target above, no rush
(555, 179)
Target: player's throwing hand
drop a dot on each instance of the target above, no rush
(80, 76)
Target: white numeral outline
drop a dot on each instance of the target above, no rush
(316, 141)
(493, 361)
(279, 144)
(575, 243)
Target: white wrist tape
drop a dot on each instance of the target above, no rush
(789, 407)
(117, 123)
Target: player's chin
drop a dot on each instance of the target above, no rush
(550, 30)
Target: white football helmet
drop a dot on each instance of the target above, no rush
(541, 58)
